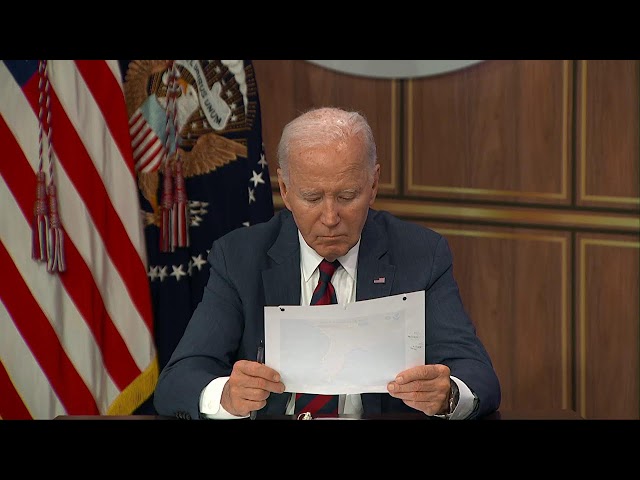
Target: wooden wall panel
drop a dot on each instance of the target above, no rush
(608, 327)
(609, 133)
(509, 215)
(289, 87)
(515, 285)
(495, 131)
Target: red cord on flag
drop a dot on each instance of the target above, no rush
(55, 244)
(174, 205)
(166, 203)
(40, 220)
(47, 235)
(180, 212)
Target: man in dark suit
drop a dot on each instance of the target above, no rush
(328, 176)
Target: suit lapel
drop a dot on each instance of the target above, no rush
(375, 278)
(375, 274)
(281, 282)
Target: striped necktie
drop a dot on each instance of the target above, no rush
(324, 294)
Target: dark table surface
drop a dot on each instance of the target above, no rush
(550, 414)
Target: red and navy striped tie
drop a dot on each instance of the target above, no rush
(324, 294)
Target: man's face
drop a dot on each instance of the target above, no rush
(329, 193)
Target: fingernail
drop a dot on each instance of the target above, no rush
(399, 379)
(391, 387)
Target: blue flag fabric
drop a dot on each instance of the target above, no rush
(215, 111)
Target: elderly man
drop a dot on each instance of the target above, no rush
(328, 176)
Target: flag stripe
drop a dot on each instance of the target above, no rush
(147, 147)
(87, 181)
(11, 405)
(138, 130)
(148, 154)
(78, 341)
(81, 286)
(36, 396)
(83, 113)
(42, 339)
(121, 188)
(50, 296)
(102, 83)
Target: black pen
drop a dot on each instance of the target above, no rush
(259, 359)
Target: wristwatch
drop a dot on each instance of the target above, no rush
(454, 396)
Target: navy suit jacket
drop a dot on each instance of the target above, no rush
(260, 265)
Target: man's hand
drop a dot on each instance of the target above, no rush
(425, 388)
(249, 386)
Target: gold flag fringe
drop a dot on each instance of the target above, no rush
(137, 392)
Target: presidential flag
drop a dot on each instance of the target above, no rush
(76, 321)
(196, 133)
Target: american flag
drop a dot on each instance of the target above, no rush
(219, 139)
(79, 340)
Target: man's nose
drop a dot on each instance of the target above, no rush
(330, 214)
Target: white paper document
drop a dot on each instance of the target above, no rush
(354, 348)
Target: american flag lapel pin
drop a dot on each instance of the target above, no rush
(379, 280)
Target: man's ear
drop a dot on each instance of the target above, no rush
(374, 185)
(283, 189)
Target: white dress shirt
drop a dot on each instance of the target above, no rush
(344, 282)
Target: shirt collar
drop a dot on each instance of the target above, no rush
(309, 259)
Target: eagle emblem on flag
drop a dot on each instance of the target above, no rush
(196, 134)
(213, 107)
